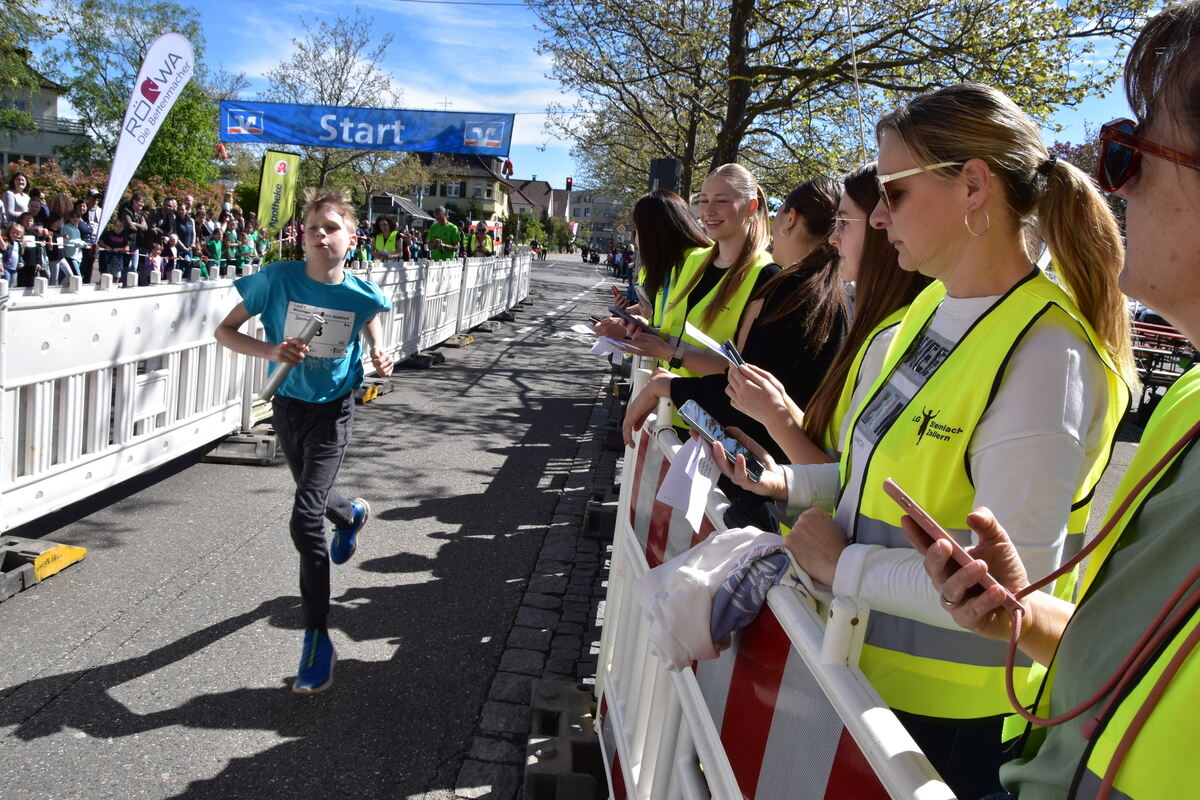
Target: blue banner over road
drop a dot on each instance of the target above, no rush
(366, 128)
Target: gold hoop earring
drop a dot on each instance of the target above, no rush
(987, 219)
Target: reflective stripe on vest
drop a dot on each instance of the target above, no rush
(725, 324)
(916, 667)
(831, 440)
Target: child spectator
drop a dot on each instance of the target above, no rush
(152, 264)
(11, 253)
(173, 254)
(215, 248)
(313, 410)
(33, 250)
(114, 250)
(73, 241)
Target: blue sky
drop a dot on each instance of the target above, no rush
(478, 58)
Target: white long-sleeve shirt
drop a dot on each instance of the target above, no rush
(1029, 453)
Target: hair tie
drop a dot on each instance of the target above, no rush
(1046, 167)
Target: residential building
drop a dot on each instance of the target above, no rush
(52, 131)
(471, 183)
(603, 223)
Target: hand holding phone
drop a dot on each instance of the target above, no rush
(935, 531)
(711, 431)
(621, 313)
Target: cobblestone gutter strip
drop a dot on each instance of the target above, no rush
(556, 634)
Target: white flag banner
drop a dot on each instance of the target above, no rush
(169, 65)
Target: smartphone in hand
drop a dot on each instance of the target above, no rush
(711, 431)
(935, 531)
(621, 313)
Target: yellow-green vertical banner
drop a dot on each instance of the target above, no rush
(277, 189)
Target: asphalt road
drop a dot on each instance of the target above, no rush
(159, 667)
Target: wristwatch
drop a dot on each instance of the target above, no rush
(676, 361)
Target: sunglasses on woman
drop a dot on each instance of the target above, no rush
(883, 180)
(1121, 154)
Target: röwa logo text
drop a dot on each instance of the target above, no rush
(933, 430)
(157, 91)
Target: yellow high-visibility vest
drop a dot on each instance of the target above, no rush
(924, 669)
(1158, 764)
(831, 439)
(725, 323)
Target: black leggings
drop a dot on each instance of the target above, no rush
(314, 438)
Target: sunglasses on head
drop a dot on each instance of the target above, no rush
(883, 180)
(1121, 154)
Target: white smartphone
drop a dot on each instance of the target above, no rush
(927, 524)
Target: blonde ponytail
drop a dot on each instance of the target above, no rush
(1085, 243)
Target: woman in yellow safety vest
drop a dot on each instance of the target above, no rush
(714, 285)
(385, 239)
(1001, 387)
(1138, 696)
(794, 323)
(481, 242)
(882, 292)
(666, 233)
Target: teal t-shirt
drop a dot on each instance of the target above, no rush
(284, 297)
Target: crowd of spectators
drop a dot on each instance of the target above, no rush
(60, 237)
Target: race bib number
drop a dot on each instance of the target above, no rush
(333, 337)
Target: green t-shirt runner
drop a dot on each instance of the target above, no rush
(450, 235)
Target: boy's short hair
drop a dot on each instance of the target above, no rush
(336, 200)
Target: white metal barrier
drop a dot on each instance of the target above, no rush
(477, 290)
(784, 712)
(99, 384)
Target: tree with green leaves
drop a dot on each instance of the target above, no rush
(98, 57)
(793, 87)
(336, 63)
(19, 30)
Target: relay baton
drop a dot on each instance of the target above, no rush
(310, 330)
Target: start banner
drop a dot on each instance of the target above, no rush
(277, 189)
(366, 128)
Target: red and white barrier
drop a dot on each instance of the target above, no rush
(783, 713)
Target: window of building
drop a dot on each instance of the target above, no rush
(487, 191)
(609, 213)
(587, 212)
(477, 190)
(451, 189)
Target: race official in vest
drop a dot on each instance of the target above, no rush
(1001, 387)
(713, 288)
(1124, 687)
(385, 245)
(480, 242)
(811, 434)
(666, 233)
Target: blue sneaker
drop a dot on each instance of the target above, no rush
(316, 663)
(345, 540)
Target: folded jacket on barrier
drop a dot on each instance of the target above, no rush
(697, 599)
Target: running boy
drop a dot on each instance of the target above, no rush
(313, 409)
